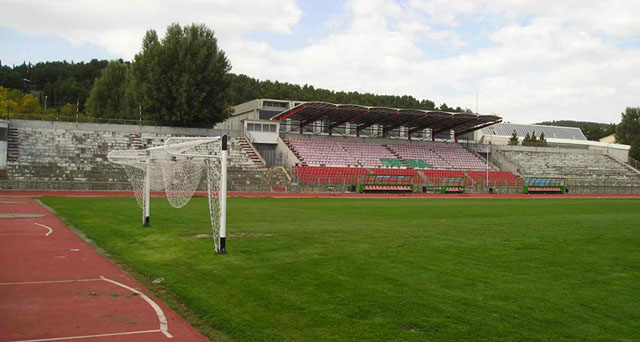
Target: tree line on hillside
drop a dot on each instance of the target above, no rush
(61, 82)
(184, 79)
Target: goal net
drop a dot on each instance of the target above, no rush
(178, 168)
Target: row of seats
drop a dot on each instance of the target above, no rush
(328, 152)
(569, 165)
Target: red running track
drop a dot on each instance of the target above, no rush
(29, 193)
(56, 287)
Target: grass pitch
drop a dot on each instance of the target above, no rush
(388, 270)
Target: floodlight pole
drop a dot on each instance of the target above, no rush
(223, 197)
(488, 167)
(147, 192)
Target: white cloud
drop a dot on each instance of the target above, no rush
(119, 25)
(546, 60)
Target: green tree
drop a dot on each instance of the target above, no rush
(107, 97)
(542, 141)
(30, 104)
(514, 139)
(181, 80)
(527, 140)
(68, 110)
(629, 127)
(634, 151)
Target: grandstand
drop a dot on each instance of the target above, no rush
(66, 156)
(315, 146)
(573, 164)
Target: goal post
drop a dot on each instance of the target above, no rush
(178, 167)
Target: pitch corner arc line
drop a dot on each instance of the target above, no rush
(164, 326)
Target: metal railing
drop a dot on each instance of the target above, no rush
(634, 163)
(351, 183)
(80, 119)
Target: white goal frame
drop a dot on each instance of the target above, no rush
(189, 154)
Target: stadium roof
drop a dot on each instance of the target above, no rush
(557, 132)
(390, 118)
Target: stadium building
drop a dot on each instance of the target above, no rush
(297, 146)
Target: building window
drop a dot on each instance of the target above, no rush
(274, 104)
(250, 127)
(267, 114)
(272, 128)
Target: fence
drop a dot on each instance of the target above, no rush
(81, 119)
(351, 183)
(634, 163)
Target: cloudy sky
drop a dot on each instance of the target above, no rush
(529, 60)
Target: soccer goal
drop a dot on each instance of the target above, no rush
(177, 168)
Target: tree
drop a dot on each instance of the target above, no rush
(68, 110)
(629, 127)
(514, 138)
(542, 141)
(107, 97)
(62, 82)
(527, 140)
(634, 151)
(181, 80)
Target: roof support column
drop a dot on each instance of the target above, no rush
(476, 128)
(361, 127)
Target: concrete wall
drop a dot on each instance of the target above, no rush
(62, 155)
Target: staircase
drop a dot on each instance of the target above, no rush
(425, 178)
(483, 158)
(286, 142)
(397, 155)
(251, 152)
(634, 172)
(358, 163)
(135, 140)
(13, 151)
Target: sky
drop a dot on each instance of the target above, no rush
(525, 60)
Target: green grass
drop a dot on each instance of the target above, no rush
(388, 270)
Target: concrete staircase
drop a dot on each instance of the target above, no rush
(397, 155)
(625, 165)
(135, 140)
(288, 143)
(251, 152)
(13, 143)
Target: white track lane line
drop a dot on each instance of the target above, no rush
(164, 327)
(42, 225)
(51, 281)
(88, 336)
